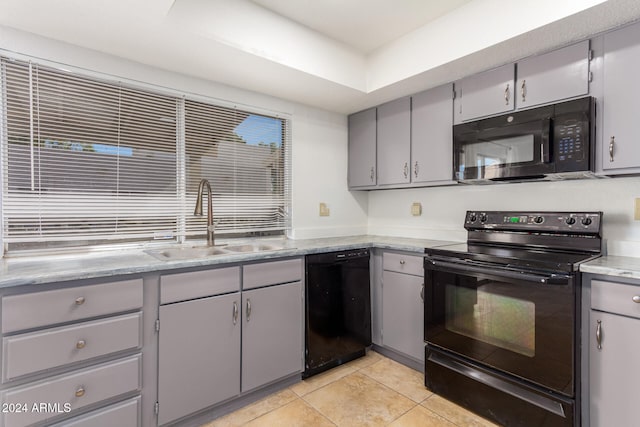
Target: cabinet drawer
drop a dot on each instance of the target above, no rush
(63, 305)
(409, 264)
(72, 391)
(271, 273)
(198, 284)
(36, 351)
(125, 414)
(615, 298)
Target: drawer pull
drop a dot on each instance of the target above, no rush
(401, 262)
(81, 344)
(80, 300)
(599, 334)
(636, 299)
(80, 391)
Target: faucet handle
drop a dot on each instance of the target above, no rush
(213, 226)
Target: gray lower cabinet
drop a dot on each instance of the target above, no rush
(362, 149)
(271, 334)
(394, 142)
(432, 136)
(485, 94)
(199, 355)
(614, 351)
(403, 304)
(620, 143)
(70, 349)
(220, 338)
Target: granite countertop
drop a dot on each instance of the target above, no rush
(33, 270)
(617, 266)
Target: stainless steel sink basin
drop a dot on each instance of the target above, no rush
(181, 254)
(253, 247)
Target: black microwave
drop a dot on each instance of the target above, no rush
(553, 140)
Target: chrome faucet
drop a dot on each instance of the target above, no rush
(198, 210)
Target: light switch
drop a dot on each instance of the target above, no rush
(636, 211)
(324, 209)
(416, 209)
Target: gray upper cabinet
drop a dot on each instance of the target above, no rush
(362, 149)
(394, 142)
(484, 94)
(431, 135)
(553, 76)
(620, 143)
(199, 355)
(272, 346)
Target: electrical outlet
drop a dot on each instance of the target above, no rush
(324, 209)
(636, 211)
(416, 209)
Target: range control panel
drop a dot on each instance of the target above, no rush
(572, 222)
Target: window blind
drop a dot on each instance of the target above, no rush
(89, 162)
(242, 156)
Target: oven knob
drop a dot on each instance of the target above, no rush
(538, 220)
(586, 221)
(472, 217)
(571, 220)
(483, 217)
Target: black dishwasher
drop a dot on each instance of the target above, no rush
(338, 309)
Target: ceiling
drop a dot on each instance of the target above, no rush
(339, 55)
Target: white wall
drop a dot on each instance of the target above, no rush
(319, 138)
(444, 207)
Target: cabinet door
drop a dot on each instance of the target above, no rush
(621, 99)
(431, 135)
(402, 313)
(484, 94)
(614, 378)
(362, 149)
(394, 142)
(272, 345)
(199, 355)
(557, 75)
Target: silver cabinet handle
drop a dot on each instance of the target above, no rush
(406, 170)
(373, 174)
(81, 344)
(235, 312)
(636, 299)
(80, 301)
(248, 309)
(612, 142)
(80, 391)
(523, 90)
(415, 169)
(599, 334)
(506, 94)
(402, 262)
(422, 293)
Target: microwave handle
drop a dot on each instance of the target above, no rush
(546, 131)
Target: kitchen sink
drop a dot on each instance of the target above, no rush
(199, 252)
(181, 254)
(253, 247)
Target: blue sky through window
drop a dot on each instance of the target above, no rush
(260, 129)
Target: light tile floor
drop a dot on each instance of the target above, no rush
(370, 391)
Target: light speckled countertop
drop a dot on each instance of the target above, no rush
(617, 266)
(17, 271)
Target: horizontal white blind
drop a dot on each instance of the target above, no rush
(242, 155)
(88, 162)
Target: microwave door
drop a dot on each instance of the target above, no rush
(502, 153)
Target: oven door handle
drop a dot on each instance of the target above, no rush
(546, 279)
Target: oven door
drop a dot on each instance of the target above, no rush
(509, 151)
(522, 324)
